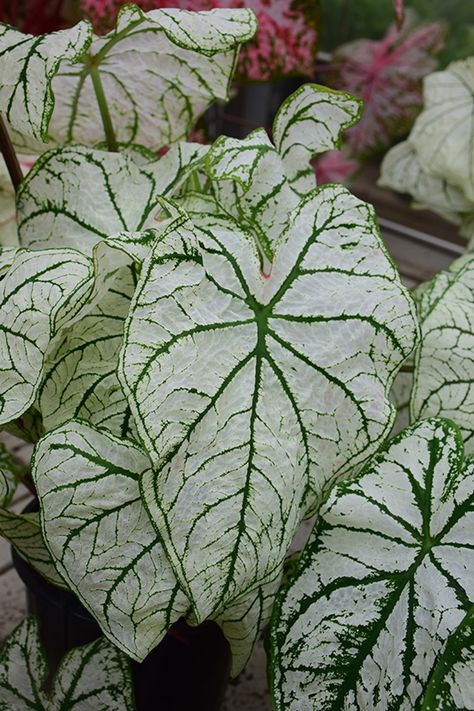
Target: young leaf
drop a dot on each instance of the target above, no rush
(100, 537)
(261, 184)
(444, 359)
(158, 72)
(252, 392)
(96, 676)
(24, 533)
(57, 203)
(38, 294)
(401, 171)
(449, 103)
(384, 581)
(29, 65)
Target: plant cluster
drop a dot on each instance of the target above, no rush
(201, 343)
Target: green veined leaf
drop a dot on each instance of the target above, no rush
(38, 294)
(100, 537)
(260, 184)
(24, 533)
(450, 687)
(77, 196)
(159, 71)
(243, 621)
(29, 65)
(9, 476)
(308, 123)
(449, 105)
(80, 378)
(253, 393)
(384, 581)
(444, 362)
(96, 676)
(401, 171)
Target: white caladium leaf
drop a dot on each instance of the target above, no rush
(401, 171)
(24, 533)
(243, 621)
(260, 184)
(38, 294)
(100, 536)
(449, 102)
(384, 581)
(310, 122)
(28, 66)
(450, 687)
(80, 379)
(76, 196)
(96, 676)
(159, 71)
(444, 364)
(253, 393)
(9, 476)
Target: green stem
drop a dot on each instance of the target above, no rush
(8, 152)
(103, 108)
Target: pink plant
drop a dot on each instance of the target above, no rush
(387, 75)
(335, 167)
(399, 11)
(285, 43)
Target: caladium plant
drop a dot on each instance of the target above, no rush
(200, 344)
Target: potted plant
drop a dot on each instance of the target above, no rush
(200, 345)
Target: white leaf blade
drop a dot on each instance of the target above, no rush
(364, 620)
(102, 542)
(39, 293)
(308, 123)
(247, 413)
(26, 94)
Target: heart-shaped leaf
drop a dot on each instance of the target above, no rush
(253, 393)
(401, 171)
(261, 184)
(100, 537)
(449, 103)
(444, 362)
(96, 676)
(77, 196)
(383, 583)
(39, 293)
(28, 66)
(158, 71)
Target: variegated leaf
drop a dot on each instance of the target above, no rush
(100, 537)
(24, 533)
(159, 71)
(260, 184)
(450, 687)
(443, 134)
(38, 294)
(401, 171)
(28, 66)
(383, 583)
(77, 196)
(9, 476)
(80, 379)
(253, 392)
(310, 122)
(96, 676)
(444, 361)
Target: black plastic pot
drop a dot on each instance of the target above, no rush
(187, 671)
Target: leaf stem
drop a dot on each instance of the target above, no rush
(9, 154)
(103, 108)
